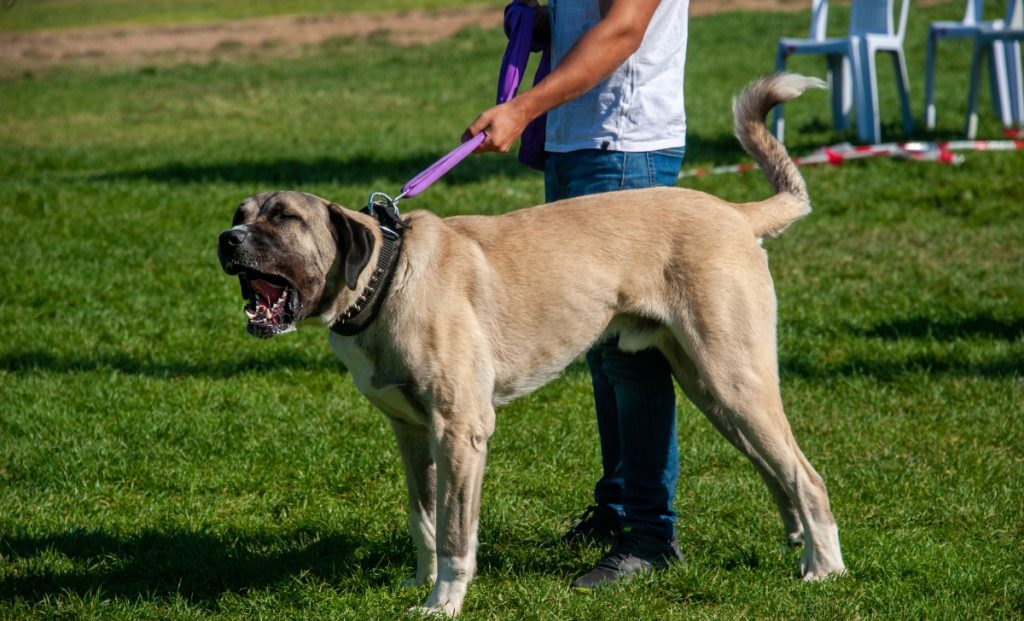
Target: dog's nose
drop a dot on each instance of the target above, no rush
(233, 237)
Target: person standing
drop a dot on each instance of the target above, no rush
(615, 121)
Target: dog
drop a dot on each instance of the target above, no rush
(441, 320)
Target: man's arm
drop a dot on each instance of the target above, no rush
(599, 52)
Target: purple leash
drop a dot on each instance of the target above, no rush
(519, 20)
(438, 169)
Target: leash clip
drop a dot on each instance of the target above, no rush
(384, 209)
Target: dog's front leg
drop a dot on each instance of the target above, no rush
(461, 453)
(421, 483)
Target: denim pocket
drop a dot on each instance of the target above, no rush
(665, 165)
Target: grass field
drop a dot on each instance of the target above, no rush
(158, 463)
(21, 15)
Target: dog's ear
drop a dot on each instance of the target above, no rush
(355, 243)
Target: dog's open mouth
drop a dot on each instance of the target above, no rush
(273, 303)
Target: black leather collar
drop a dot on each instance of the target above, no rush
(364, 310)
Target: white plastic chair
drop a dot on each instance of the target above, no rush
(998, 62)
(1006, 34)
(839, 73)
(872, 20)
(872, 30)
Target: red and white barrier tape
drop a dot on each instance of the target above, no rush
(835, 155)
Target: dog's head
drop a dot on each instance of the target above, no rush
(294, 254)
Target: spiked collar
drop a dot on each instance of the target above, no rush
(363, 311)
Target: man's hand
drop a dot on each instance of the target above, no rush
(503, 124)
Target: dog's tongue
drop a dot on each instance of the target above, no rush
(267, 291)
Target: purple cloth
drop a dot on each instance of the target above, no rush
(519, 20)
(531, 144)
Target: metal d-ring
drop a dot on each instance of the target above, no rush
(385, 210)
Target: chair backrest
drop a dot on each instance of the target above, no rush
(875, 17)
(973, 15)
(1014, 19)
(819, 20)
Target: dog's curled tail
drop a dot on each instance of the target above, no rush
(749, 110)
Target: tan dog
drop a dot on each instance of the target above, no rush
(453, 317)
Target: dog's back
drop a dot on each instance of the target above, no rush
(771, 217)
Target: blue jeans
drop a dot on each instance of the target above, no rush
(633, 393)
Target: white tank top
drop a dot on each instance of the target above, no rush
(637, 108)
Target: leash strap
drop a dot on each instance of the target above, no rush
(519, 20)
(438, 169)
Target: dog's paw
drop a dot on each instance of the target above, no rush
(444, 611)
(818, 575)
(817, 567)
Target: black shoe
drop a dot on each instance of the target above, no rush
(631, 554)
(596, 525)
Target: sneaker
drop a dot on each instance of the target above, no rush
(596, 525)
(632, 553)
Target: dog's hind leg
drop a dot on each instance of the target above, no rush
(734, 352)
(686, 375)
(420, 481)
(750, 407)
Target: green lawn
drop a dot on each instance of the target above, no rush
(20, 15)
(158, 463)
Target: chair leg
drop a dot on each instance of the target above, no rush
(903, 85)
(971, 128)
(778, 123)
(841, 89)
(929, 81)
(1014, 86)
(997, 82)
(869, 125)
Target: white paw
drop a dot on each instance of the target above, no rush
(819, 575)
(822, 556)
(434, 612)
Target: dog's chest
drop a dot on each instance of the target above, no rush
(390, 397)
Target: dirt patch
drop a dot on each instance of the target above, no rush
(32, 51)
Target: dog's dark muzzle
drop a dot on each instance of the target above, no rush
(228, 246)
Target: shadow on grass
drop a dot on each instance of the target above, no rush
(199, 567)
(978, 326)
(203, 567)
(713, 150)
(889, 365)
(295, 171)
(701, 149)
(347, 171)
(886, 365)
(880, 367)
(26, 363)
(896, 368)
